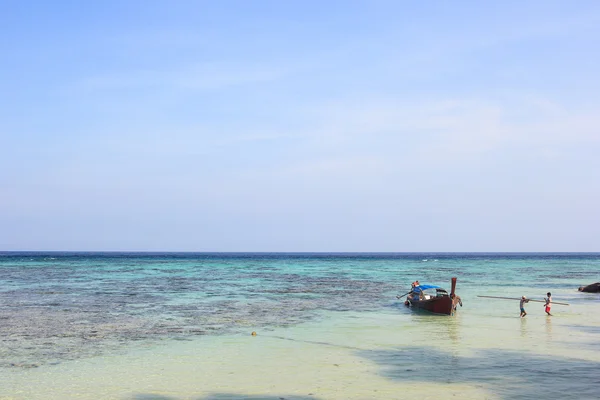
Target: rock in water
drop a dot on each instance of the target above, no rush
(593, 288)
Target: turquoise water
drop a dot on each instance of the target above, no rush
(87, 315)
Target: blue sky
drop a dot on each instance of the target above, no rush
(300, 126)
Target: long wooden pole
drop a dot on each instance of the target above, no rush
(513, 298)
(399, 297)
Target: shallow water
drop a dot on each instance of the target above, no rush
(176, 326)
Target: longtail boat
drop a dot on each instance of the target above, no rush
(439, 302)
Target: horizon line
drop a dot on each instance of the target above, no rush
(292, 252)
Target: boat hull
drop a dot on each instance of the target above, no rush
(439, 304)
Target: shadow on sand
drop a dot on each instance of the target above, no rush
(227, 396)
(507, 374)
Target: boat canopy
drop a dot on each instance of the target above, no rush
(420, 288)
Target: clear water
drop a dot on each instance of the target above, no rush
(329, 326)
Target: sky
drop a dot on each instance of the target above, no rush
(398, 126)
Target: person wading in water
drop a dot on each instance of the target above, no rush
(548, 304)
(522, 305)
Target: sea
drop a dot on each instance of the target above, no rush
(171, 326)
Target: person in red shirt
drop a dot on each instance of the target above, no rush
(548, 304)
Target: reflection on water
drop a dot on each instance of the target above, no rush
(524, 327)
(549, 328)
(447, 329)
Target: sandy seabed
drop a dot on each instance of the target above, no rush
(396, 354)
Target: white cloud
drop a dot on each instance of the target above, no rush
(446, 128)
